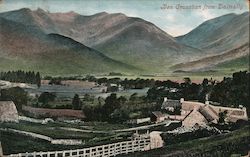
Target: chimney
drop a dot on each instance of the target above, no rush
(182, 100)
(165, 99)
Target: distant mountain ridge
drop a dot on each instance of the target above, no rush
(116, 41)
(29, 48)
(209, 63)
(219, 34)
(222, 39)
(127, 39)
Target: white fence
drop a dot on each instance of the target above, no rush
(137, 144)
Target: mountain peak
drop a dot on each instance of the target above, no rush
(24, 11)
(40, 10)
(101, 14)
(71, 13)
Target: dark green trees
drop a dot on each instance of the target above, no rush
(76, 102)
(233, 91)
(46, 97)
(22, 77)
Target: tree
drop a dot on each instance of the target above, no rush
(46, 97)
(133, 97)
(111, 103)
(38, 79)
(187, 80)
(16, 94)
(76, 102)
(222, 116)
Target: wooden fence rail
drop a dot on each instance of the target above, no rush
(137, 144)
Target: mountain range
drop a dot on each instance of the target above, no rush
(28, 48)
(70, 43)
(223, 39)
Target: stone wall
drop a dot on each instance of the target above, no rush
(156, 140)
(43, 137)
(67, 142)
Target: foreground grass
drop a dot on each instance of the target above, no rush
(15, 143)
(236, 142)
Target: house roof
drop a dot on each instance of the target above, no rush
(208, 113)
(171, 103)
(6, 106)
(5, 102)
(8, 112)
(158, 114)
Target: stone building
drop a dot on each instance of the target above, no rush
(195, 117)
(193, 112)
(157, 117)
(8, 112)
(156, 140)
(170, 105)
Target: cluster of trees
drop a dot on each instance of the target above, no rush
(22, 77)
(45, 98)
(186, 90)
(119, 109)
(55, 81)
(233, 91)
(230, 92)
(137, 83)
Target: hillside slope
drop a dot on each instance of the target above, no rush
(28, 48)
(214, 61)
(219, 34)
(223, 145)
(223, 40)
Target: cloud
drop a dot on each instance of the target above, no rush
(178, 30)
(171, 18)
(205, 14)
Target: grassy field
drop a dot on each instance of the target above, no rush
(59, 69)
(241, 63)
(224, 145)
(16, 143)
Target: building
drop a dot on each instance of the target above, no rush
(170, 105)
(8, 112)
(157, 117)
(156, 140)
(139, 121)
(232, 114)
(194, 118)
(193, 112)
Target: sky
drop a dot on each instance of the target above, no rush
(176, 17)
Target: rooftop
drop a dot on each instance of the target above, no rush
(171, 103)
